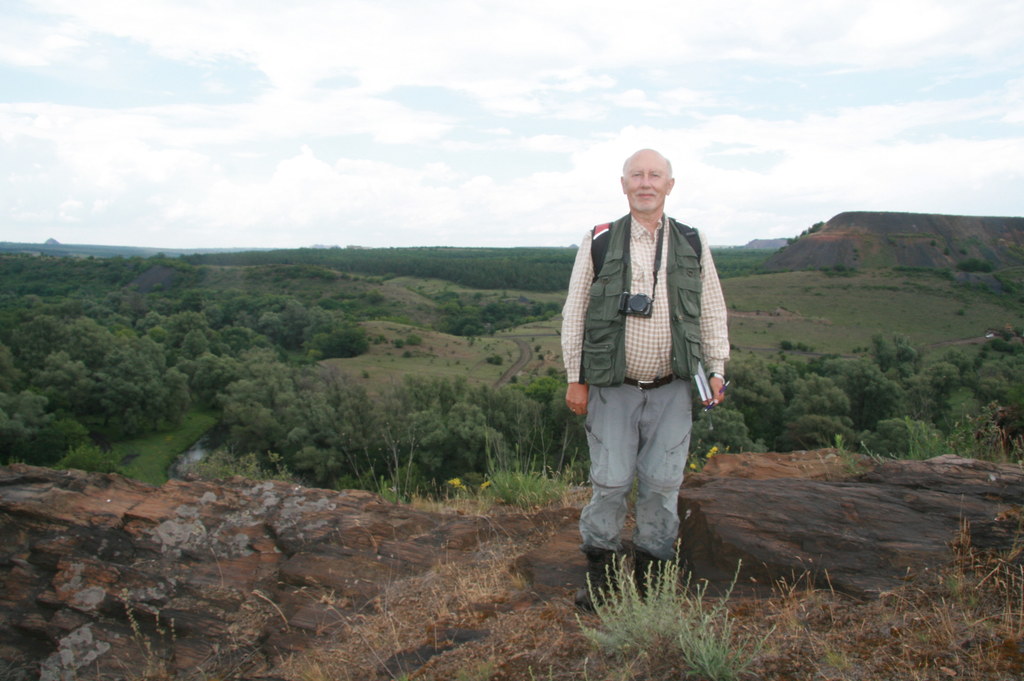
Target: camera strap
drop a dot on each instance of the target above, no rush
(659, 235)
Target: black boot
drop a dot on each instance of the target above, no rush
(647, 572)
(600, 577)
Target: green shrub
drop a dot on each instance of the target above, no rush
(974, 265)
(677, 617)
(220, 464)
(631, 624)
(905, 438)
(525, 489)
(89, 457)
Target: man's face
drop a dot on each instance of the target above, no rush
(647, 182)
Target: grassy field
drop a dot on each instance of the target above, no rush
(148, 458)
(840, 314)
(391, 356)
(810, 310)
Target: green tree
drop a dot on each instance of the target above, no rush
(818, 411)
(757, 394)
(67, 383)
(903, 438)
(811, 431)
(131, 386)
(333, 436)
(22, 417)
(208, 375)
(10, 376)
(348, 340)
(722, 427)
(817, 394)
(255, 406)
(188, 334)
(895, 356)
(872, 396)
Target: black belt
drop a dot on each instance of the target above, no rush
(650, 385)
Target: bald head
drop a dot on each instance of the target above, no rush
(647, 155)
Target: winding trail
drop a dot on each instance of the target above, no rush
(518, 365)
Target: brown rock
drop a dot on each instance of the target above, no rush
(100, 575)
(203, 573)
(863, 536)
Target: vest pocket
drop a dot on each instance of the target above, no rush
(693, 346)
(604, 298)
(686, 349)
(598, 362)
(689, 300)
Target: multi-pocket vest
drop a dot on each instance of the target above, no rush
(604, 332)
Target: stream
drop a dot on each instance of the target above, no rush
(195, 453)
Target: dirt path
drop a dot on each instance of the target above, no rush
(518, 365)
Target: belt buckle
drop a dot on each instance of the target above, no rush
(646, 385)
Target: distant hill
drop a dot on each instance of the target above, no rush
(863, 240)
(767, 244)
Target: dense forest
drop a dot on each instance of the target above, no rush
(530, 269)
(94, 351)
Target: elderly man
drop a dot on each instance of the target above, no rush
(644, 314)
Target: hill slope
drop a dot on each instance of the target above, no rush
(883, 239)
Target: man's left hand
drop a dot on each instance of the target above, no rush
(717, 384)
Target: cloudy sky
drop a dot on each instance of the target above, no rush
(250, 123)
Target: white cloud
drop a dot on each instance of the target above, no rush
(192, 123)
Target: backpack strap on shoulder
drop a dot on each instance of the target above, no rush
(600, 234)
(692, 237)
(599, 245)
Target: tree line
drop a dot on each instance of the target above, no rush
(527, 269)
(889, 402)
(106, 361)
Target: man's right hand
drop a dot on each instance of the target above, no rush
(576, 397)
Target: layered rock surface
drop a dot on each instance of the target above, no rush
(808, 515)
(101, 575)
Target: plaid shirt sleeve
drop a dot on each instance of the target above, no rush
(574, 312)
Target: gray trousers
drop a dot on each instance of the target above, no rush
(641, 434)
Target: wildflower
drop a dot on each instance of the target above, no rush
(485, 484)
(456, 483)
(712, 451)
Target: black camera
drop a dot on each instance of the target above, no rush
(635, 303)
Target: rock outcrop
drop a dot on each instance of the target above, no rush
(793, 516)
(101, 575)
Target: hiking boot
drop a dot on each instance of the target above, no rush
(647, 571)
(599, 579)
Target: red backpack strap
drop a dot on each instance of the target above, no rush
(599, 245)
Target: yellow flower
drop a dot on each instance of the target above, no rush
(485, 484)
(713, 451)
(455, 482)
